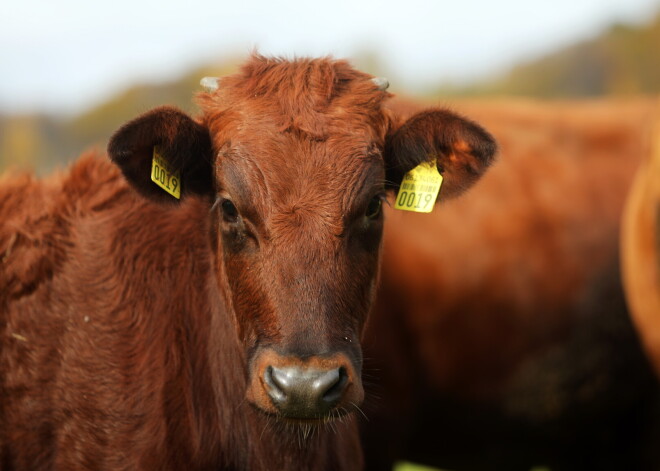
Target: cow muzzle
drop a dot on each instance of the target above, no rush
(313, 388)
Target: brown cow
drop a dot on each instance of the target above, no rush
(500, 337)
(641, 250)
(222, 331)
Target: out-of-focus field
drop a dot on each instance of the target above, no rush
(620, 62)
(403, 466)
(413, 467)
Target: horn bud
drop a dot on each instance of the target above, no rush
(381, 82)
(210, 84)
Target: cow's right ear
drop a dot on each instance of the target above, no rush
(462, 149)
(183, 143)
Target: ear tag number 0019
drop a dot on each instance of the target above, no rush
(419, 188)
(162, 175)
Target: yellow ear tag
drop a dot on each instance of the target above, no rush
(162, 175)
(419, 188)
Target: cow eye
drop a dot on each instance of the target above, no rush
(229, 211)
(374, 207)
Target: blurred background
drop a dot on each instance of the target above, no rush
(73, 70)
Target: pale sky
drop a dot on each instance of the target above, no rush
(66, 55)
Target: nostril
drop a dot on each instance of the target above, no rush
(336, 387)
(305, 392)
(277, 384)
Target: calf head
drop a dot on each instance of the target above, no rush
(295, 160)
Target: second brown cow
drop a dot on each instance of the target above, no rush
(501, 338)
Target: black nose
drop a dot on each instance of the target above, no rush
(305, 393)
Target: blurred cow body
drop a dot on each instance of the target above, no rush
(641, 250)
(500, 339)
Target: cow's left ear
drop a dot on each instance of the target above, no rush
(463, 149)
(184, 144)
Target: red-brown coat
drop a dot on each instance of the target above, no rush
(221, 331)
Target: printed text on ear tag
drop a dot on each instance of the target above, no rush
(162, 176)
(419, 188)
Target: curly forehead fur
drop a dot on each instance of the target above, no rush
(315, 96)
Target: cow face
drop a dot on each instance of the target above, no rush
(295, 159)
